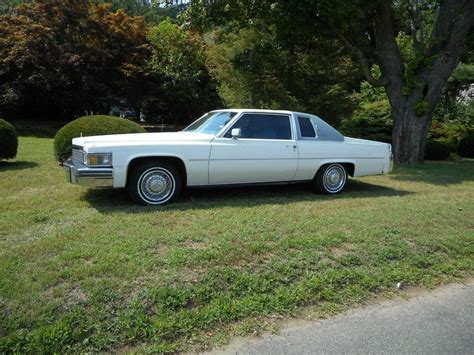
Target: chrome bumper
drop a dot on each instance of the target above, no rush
(90, 177)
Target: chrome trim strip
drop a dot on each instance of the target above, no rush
(253, 159)
(327, 158)
(227, 185)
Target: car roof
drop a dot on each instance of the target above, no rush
(254, 110)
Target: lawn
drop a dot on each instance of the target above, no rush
(88, 271)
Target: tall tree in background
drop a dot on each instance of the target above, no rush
(59, 58)
(254, 70)
(152, 10)
(368, 29)
(178, 60)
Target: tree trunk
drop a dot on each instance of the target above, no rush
(409, 136)
(447, 44)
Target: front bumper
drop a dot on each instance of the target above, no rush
(90, 177)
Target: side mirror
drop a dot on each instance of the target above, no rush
(235, 133)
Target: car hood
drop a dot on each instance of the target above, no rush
(141, 138)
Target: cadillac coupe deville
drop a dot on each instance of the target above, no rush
(226, 147)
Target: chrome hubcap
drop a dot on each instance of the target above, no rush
(334, 178)
(156, 185)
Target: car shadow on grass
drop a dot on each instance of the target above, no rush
(17, 165)
(436, 172)
(110, 201)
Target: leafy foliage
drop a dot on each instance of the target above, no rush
(454, 107)
(436, 150)
(466, 146)
(63, 57)
(178, 59)
(370, 93)
(254, 70)
(151, 10)
(450, 133)
(8, 6)
(8, 140)
(90, 126)
(372, 120)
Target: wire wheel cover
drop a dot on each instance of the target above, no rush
(334, 178)
(156, 185)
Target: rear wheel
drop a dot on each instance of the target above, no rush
(154, 183)
(330, 179)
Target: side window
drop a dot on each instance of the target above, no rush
(306, 127)
(261, 126)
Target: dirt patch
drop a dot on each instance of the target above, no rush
(342, 250)
(76, 296)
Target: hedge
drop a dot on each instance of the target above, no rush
(8, 140)
(90, 126)
(466, 146)
(436, 150)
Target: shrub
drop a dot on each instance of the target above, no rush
(436, 150)
(466, 146)
(371, 121)
(90, 126)
(8, 140)
(449, 133)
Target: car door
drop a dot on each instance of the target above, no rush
(266, 151)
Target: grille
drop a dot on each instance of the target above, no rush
(78, 156)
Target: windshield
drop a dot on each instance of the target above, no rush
(211, 123)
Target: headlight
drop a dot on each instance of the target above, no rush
(99, 159)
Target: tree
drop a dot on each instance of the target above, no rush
(253, 70)
(438, 29)
(7, 6)
(178, 61)
(60, 58)
(153, 11)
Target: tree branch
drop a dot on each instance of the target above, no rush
(454, 21)
(416, 24)
(363, 62)
(388, 52)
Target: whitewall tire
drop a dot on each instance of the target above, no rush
(330, 179)
(154, 183)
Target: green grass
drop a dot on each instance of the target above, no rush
(88, 271)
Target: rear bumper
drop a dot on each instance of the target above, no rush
(89, 177)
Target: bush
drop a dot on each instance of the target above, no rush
(90, 126)
(449, 133)
(8, 140)
(466, 146)
(436, 150)
(372, 121)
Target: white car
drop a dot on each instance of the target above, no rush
(226, 147)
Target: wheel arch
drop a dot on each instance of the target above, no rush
(348, 165)
(176, 161)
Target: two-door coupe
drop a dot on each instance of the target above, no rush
(226, 147)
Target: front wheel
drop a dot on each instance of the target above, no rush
(154, 183)
(330, 179)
